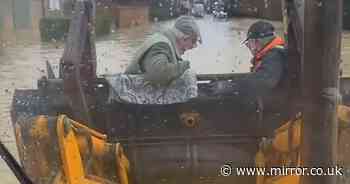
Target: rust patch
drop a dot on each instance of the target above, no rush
(191, 119)
(39, 128)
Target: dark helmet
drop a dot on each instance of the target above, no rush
(260, 29)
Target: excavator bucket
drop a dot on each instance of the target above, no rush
(284, 149)
(68, 132)
(58, 150)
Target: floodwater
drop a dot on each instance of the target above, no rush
(22, 61)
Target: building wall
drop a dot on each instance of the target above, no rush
(22, 14)
(20, 19)
(27, 28)
(268, 9)
(6, 16)
(247, 8)
(36, 14)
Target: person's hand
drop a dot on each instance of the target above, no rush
(185, 64)
(220, 87)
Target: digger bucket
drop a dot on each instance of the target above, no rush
(59, 150)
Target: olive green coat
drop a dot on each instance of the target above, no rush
(158, 59)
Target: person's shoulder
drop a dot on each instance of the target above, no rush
(159, 40)
(159, 36)
(277, 52)
(279, 49)
(275, 57)
(160, 47)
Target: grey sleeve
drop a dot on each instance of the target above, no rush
(266, 78)
(158, 66)
(256, 83)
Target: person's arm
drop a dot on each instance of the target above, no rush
(267, 77)
(256, 83)
(159, 67)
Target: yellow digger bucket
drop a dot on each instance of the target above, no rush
(283, 150)
(58, 150)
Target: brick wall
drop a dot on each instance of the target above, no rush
(7, 27)
(127, 16)
(37, 14)
(268, 9)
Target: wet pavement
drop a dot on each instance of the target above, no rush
(23, 62)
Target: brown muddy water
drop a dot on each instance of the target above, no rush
(22, 61)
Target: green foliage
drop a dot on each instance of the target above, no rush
(54, 28)
(104, 21)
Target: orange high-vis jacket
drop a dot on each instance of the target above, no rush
(277, 42)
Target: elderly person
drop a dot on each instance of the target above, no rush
(159, 59)
(157, 73)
